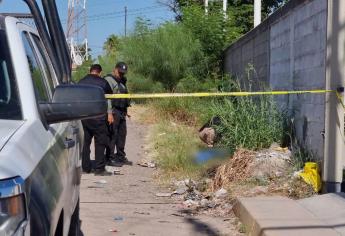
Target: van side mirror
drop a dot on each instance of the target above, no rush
(75, 102)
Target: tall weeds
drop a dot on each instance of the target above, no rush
(249, 122)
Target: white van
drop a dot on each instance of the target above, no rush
(40, 137)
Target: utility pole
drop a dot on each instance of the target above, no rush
(206, 7)
(333, 163)
(257, 12)
(225, 6)
(125, 21)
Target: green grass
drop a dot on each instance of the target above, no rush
(174, 146)
(249, 122)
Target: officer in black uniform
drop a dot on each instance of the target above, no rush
(96, 127)
(118, 129)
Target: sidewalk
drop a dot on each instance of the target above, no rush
(322, 215)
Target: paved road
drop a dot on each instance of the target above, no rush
(127, 202)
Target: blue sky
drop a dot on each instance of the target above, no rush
(106, 16)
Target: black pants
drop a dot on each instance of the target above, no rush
(117, 136)
(96, 128)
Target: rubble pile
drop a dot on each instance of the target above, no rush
(244, 165)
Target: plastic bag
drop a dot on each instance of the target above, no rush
(310, 175)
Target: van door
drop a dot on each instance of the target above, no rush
(72, 139)
(55, 172)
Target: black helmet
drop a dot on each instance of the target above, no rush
(122, 67)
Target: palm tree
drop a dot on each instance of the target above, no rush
(111, 45)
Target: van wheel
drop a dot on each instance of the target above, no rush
(74, 228)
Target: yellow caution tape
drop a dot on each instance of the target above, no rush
(340, 98)
(224, 94)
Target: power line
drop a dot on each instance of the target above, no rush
(121, 13)
(98, 4)
(118, 16)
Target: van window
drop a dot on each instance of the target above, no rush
(46, 64)
(39, 82)
(10, 106)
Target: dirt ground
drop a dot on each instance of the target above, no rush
(126, 203)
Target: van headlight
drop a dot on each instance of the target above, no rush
(13, 210)
(12, 214)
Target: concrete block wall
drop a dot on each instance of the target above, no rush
(288, 52)
(298, 62)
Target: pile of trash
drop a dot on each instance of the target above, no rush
(194, 197)
(266, 164)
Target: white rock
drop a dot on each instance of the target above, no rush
(181, 190)
(279, 174)
(190, 203)
(221, 193)
(204, 202)
(212, 204)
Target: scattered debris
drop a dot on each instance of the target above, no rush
(146, 163)
(163, 194)
(131, 233)
(193, 194)
(93, 186)
(101, 181)
(118, 218)
(179, 215)
(116, 172)
(163, 221)
(142, 213)
(113, 230)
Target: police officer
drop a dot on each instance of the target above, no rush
(118, 129)
(96, 127)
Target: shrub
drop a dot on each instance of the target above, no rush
(82, 70)
(140, 84)
(165, 54)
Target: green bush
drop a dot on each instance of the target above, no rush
(213, 32)
(140, 84)
(165, 54)
(188, 111)
(82, 71)
(108, 63)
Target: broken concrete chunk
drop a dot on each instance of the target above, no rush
(204, 203)
(181, 190)
(221, 193)
(190, 203)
